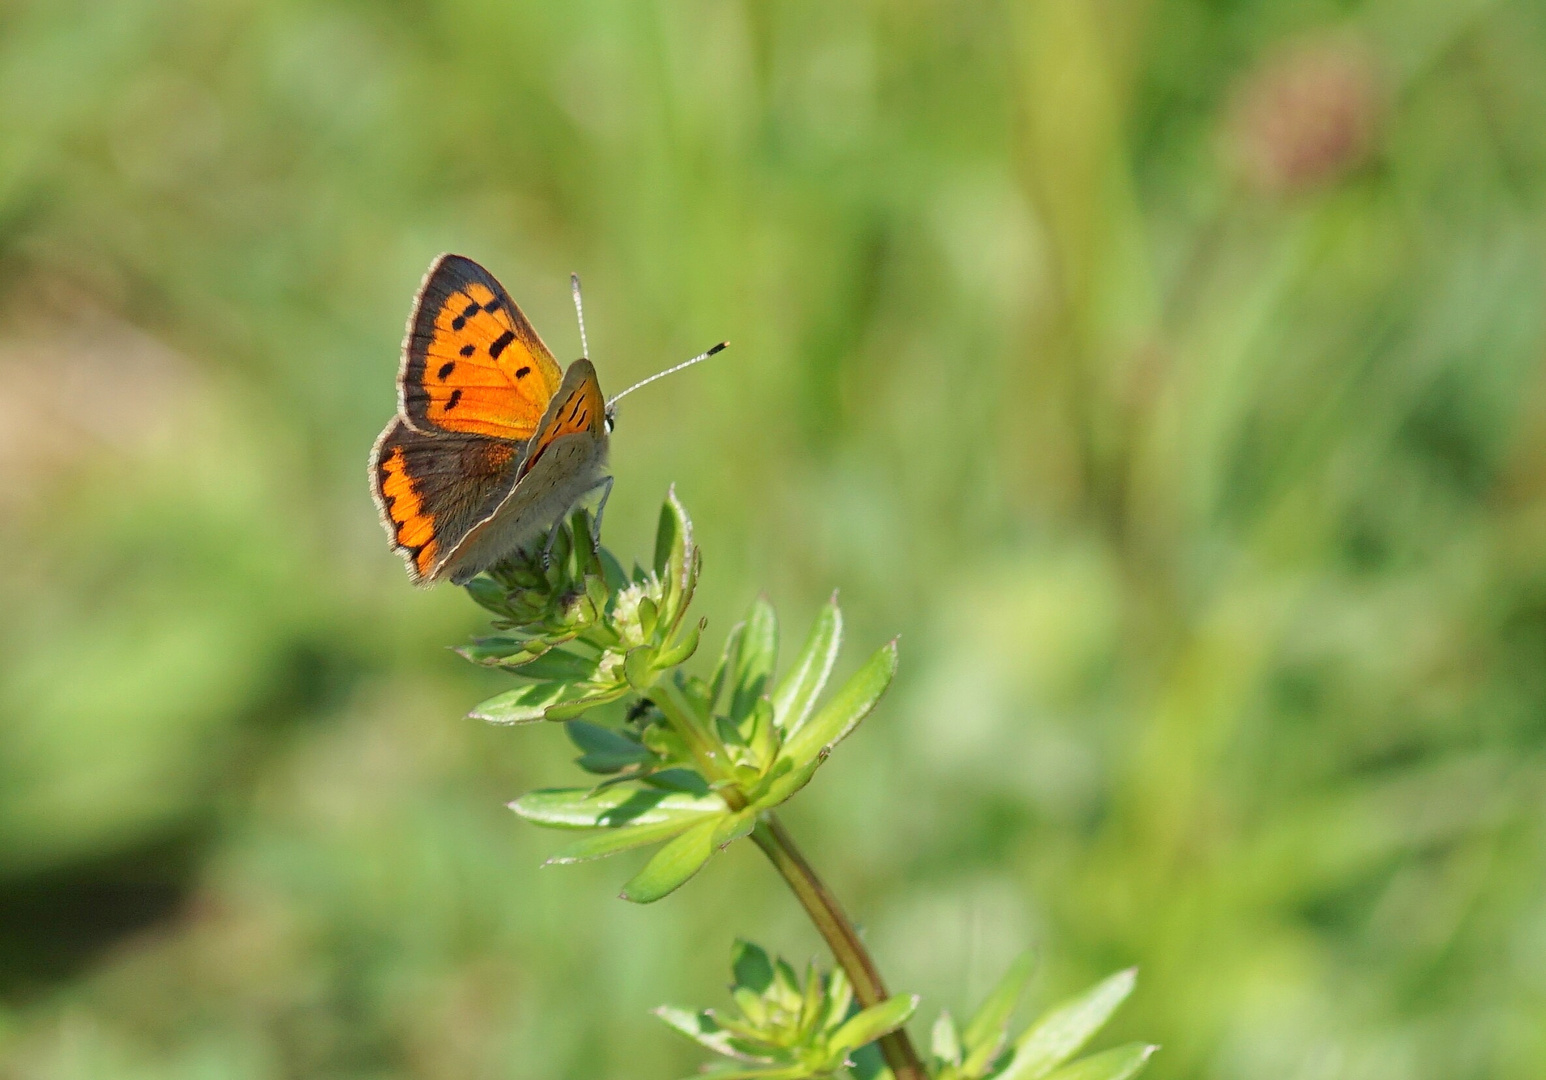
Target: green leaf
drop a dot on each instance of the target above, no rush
(700, 1027)
(487, 594)
(840, 995)
(679, 652)
(848, 706)
(493, 651)
(582, 703)
(605, 750)
(1118, 1064)
(802, 685)
(984, 1035)
(579, 526)
(673, 536)
(754, 659)
(1062, 1032)
(783, 781)
(523, 705)
(649, 615)
(604, 842)
(944, 1041)
(612, 571)
(734, 826)
(639, 668)
(760, 1072)
(874, 1022)
(751, 965)
(678, 779)
(559, 665)
(726, 663)
(673, 864)
(586, 808)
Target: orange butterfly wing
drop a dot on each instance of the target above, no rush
(578, 408)
(431, 490)
(472, 364)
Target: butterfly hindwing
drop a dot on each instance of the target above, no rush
(432, 490)
(472, 364)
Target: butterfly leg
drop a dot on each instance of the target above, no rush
(595, 537)
(547, 549)
(605, 483)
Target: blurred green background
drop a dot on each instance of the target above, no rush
(1167, 373)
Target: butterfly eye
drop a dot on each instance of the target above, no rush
(611, 419)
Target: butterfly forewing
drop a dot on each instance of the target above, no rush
(471, 362)
(577, 408)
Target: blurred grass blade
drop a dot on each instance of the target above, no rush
(802, 685)
(1063, 1031)
(673, 864)
(1118, 1064)
(986, 1028)
(848, 706)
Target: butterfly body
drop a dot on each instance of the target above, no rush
(491, 444)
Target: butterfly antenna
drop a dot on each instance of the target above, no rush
(669, 371)
(579, 310)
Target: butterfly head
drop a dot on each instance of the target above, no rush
(611, 417)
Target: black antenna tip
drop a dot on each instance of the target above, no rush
(718, 348)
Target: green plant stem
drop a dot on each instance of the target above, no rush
(679, 714)
(842, 938)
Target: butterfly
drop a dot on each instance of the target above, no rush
(492, 444)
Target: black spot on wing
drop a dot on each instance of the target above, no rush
(468, 350)
(522, 372)
(501, 343)
(445, 370)
(456, 395)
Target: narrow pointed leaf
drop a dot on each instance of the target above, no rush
(603, 842)
(559, 665)
(523, 705)
(605, 750)
(1062, 1032)
(726, 664)
(848, 706)
(874, 1022)
(734, 826)
(1118, 1064)
(802, 685)
(754, 659)
(583, 808)
(612, 571)
(701, 1028)
(679, 651)
(784, 781)
(673, 864)
(673, 535)
(487, 594)
(945, 1041)
(580, 704)
(735, 1072)
(986, 1028)
(751, 965)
